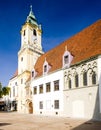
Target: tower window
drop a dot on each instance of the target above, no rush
(34, 32)
(21, 58)
(24, 33)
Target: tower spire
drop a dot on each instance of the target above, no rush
(31, 8)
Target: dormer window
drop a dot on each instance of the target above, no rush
(33, 73)
(67, 58)
(46, 67)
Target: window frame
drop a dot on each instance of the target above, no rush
(41, 105)
(35, 90)
(56, 104)
(41, 89)
(48, 87)
(56, 85)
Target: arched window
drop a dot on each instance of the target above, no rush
(69, 83)
(34, 32)
(94, 78)
(85, 78)
(76, 80)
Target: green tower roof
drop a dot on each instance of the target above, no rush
(31, 17)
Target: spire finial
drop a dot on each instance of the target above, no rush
(31, 7)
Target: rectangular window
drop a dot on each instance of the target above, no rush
(48, 87)
(56, 85)
(56, 104)
(41, 105)
(41, 88)
(66, 59)
(35, 90)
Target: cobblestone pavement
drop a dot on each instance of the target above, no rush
(15, 121)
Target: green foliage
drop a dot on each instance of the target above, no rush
(4, 90)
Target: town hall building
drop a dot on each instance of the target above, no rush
(65, 81)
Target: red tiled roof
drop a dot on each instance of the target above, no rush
(82, 46)
(15, 74)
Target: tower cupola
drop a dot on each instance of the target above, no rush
(31, 18)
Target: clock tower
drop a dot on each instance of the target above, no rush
(31, 47)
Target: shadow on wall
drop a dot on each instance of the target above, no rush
(95, 122)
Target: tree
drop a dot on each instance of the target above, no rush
(4, 90)
(0, 90)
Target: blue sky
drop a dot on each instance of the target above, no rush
(60, 19)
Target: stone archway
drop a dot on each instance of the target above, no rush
(29, 106)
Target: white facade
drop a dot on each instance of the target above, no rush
(81, 99)
(48, 98)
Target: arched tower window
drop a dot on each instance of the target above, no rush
(94, 78)
(85, 78)
(34, 32)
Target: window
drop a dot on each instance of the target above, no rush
(48, 87)
(56, 85)
(69, 83)
(35, 90)
(34, 32)
(16, 83)
(76, 80)
(94, 78)
(66, 59)
(32, 73)
(41, 88)
(13, 91)
(24, 32)
(45, 68)
(56, 104)
(41, 105)
(85, 78)
(21, 58)
(21, 81)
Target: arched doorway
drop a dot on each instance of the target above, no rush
(29, 106)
